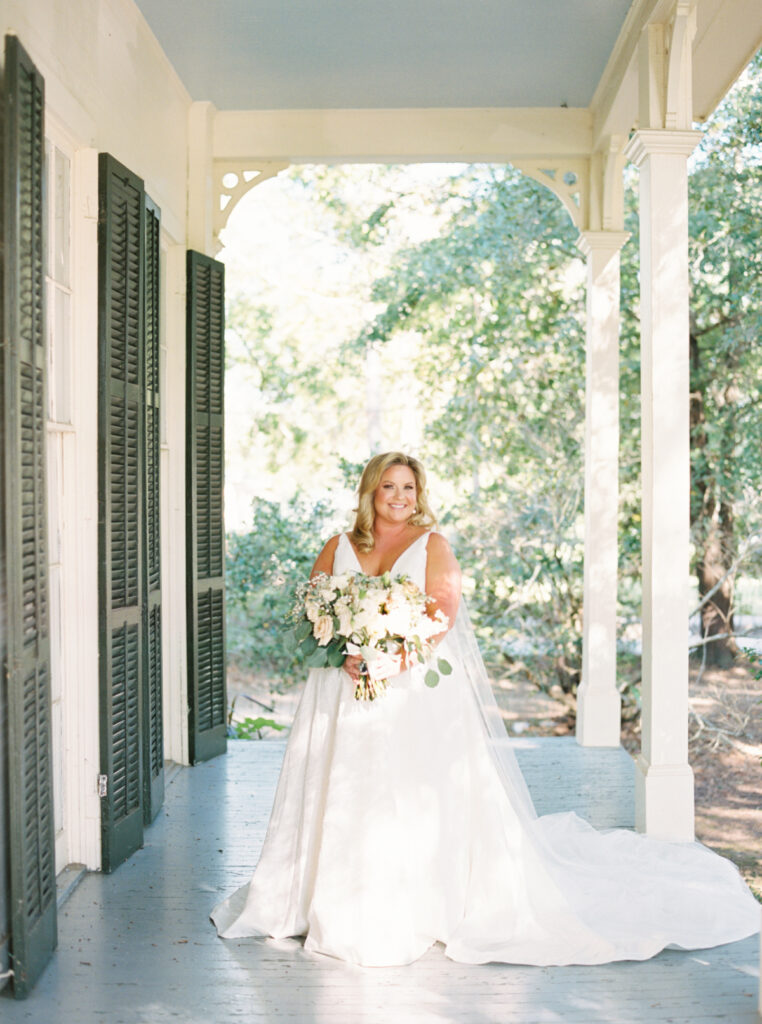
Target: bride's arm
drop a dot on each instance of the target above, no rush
(324, 561)
(443, 580)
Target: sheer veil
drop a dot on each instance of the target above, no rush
(466, 647)
(626, 887)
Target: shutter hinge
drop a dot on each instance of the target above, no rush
(102, 785)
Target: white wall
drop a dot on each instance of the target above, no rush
(110, 83)
(109, 88)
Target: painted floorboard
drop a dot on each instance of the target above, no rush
(136, 947)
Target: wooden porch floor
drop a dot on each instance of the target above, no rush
(136, 947)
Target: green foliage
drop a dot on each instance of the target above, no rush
(263, 568)
(251, 728)
(290, 382)
(726, 312)
(755, 662)
(480, 326)
(496, 301)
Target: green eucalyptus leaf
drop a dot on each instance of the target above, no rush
(431, 678)
(335, 656)
(309, 644)
(318, 658)
(444, 666)
(303, 630)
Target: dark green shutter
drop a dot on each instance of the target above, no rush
(205, 534)
(153, 760)
(27, 666)
(121, 498)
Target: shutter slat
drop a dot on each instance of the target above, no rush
(24, 555)
(204, 525)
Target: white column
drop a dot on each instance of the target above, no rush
(598, 700)
(664, 780)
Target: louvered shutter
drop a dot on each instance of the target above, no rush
(153, 760)
(205, 454)
(121, 496)
(27, 669)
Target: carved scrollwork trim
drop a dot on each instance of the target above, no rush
(568, 179)
(232, 180)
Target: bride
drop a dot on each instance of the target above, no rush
(406, 821)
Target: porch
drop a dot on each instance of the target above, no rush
(137, 946)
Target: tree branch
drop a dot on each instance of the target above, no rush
(725, 321)
(720, 636)
(754, 545)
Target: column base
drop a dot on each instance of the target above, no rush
(599, 717)
(664, 800)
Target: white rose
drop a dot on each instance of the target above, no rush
(323, 629)
(345, 619)
(362, 619)
(370, 604)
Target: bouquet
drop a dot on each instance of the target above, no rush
(380, 618)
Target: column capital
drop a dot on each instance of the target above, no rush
(611, 242)
(648, 141)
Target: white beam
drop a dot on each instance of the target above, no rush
(728, 35)
(402, 136)
(201, 193)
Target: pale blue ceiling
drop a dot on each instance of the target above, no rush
(266, 54)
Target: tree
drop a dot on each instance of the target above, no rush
(726, 356)
(477, 326)
(493, 308)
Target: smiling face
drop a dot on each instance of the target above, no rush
(394, 499)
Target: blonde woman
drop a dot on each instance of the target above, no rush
(406, 821)
(393, 514)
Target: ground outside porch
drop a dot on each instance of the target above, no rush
(136, 947)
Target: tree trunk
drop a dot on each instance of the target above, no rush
(712, 564)
(713, 529)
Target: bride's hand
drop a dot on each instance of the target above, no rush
(351, 666)
(384, 666)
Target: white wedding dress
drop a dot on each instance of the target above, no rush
(403, 822)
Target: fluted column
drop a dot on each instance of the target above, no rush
(664, 780)
(598, 700)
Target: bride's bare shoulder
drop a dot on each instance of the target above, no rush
(438, 544)
(439, 554)
(324, 561)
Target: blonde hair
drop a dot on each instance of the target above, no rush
(362, 531)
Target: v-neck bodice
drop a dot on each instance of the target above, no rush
(411, 562)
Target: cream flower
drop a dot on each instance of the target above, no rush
(323, 629)
(344, 614)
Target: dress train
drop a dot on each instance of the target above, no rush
(405, 821)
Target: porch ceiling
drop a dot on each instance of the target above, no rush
(334, 54)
